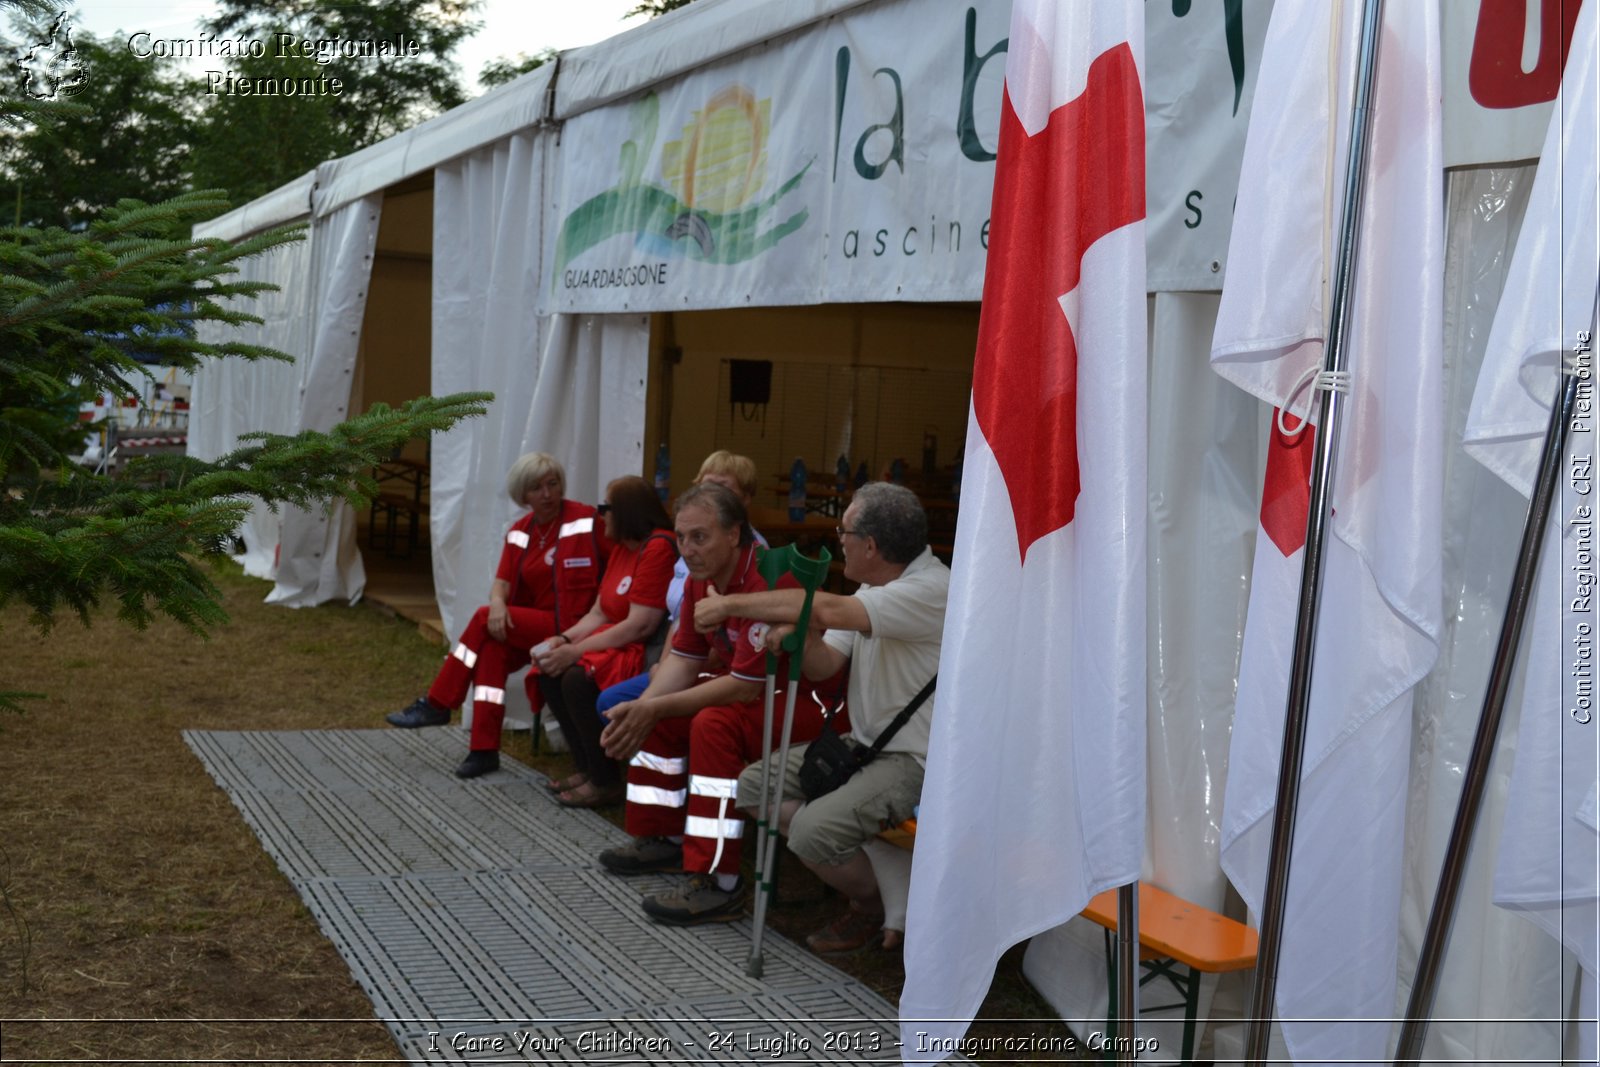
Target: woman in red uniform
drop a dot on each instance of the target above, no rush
(606, 646)
(548, 577)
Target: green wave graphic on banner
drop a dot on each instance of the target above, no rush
(723, 150)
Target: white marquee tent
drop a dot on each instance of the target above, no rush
(757, 161)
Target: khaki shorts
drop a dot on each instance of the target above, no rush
(832, 828)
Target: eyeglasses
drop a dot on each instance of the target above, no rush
(603, 510)
(842, 532)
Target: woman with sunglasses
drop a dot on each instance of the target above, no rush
(549, 574)
(607, 645)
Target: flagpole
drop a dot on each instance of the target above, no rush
(1419, 1007)
(1128, 970)
(1330, 409)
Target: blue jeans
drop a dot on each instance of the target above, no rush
(632, 689)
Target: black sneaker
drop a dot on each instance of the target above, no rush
(420, 713)
(643, 855)
(478, 763)
(697, 901)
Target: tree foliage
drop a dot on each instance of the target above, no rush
(252, 144)
(94, 277)
(74, 308)
(128, 136)
(504, 69)
(655, 8)
(382, 95)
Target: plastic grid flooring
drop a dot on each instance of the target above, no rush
(474, 916)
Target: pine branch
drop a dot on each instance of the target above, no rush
(76, 308)
(72, 545)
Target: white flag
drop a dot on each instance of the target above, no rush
(1381, 610)
(1547, 865)
(1034, 797)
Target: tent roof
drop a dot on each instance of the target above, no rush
(676, 43)
(286, 203)
(481, 121)
(580, 80)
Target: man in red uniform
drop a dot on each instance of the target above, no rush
(548, 577)
(688, 738)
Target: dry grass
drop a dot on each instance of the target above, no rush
(136, 899)
(143, 893)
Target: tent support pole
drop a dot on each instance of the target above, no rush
(1419, 1008)
(1127, 970)
(1335, 359)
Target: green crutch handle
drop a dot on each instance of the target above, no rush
(772, 564)
(810, 573)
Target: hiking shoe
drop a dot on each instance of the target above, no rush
(850, 932)
(420, 713)
(643, 855)
(697, 901)
(479, 763)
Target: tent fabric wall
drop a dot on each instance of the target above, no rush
(233, 397)
(487, 243)
(1206, 448)
(588, 405)
(1498, 965)
(318, 560)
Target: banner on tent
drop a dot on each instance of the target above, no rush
(1502, 69)
(844, 164)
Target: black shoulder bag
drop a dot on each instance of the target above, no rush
(830, 760)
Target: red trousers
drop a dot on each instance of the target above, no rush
(684, 779)
(481, 663)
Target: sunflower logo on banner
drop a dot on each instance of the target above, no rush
(706, 205)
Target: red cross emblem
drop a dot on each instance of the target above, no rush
(1056, 193)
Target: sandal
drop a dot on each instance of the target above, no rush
(568, 784)
(588, 795)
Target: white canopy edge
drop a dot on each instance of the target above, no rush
(482, 121)
(286, 203)
(677, 43)
(479, 122)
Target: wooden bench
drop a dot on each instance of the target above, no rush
(383, 524)
(402, 485)
(1178, 941)
(1174, 932)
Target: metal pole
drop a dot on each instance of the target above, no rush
(1420, 1006)
(1335, 358)
(1128, 970)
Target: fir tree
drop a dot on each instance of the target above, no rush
(74, 307)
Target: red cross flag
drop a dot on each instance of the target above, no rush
(1381, 608)
(1548, 867)
(1034, 796)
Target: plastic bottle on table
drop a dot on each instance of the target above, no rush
(663, 471)
(797, 490)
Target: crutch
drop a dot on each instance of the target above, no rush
(771, 564)
(810, 573)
